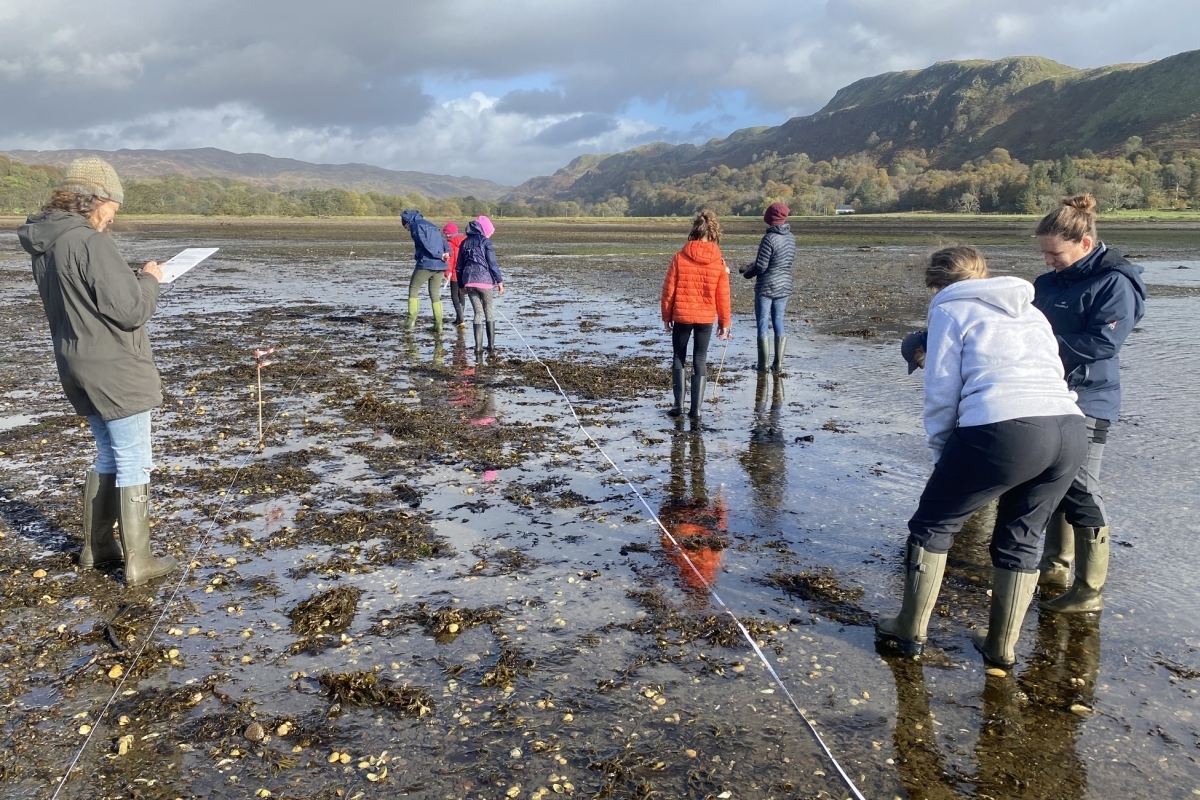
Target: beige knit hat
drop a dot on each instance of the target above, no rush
(93, 176)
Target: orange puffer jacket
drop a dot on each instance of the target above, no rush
(696, 289)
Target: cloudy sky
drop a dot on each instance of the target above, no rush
(500, 89)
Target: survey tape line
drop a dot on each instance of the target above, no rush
(712, 591)
(187, 570)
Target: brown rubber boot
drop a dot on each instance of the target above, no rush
(100, 500)
(141, 564)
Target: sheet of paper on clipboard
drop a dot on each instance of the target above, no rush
(185, 261)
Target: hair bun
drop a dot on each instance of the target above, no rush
(1081, 202)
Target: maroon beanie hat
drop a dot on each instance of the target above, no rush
(777, 214)
(450, 229)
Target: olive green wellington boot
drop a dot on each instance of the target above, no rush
(677, 392)
(1058, 552)
(1091, 569)
(1011, 594)
(905, 633)
(698, 385)
(437, 317)
(780, 348)
(478, 339)
(100, 546)
(141, 565)
(414, 305)
(764, 353)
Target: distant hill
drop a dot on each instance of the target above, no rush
(267, 171)
(953, 111)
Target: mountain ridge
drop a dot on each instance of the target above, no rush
(268, 171)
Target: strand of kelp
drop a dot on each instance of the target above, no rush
(713, 592)
(187, 570)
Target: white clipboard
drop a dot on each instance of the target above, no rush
(183, 262)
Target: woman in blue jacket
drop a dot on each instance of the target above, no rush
(1093, 298)
(479, 273)
(432, 253)
(773, 269)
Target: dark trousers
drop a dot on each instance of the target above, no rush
(681, 332)
(456, 297)
(1028, 463)
(1083, 504)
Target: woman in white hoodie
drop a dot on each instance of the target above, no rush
(1001, 424)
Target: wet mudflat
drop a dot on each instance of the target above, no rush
(428, 583)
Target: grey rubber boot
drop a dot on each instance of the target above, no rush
(1058, 552)
(100, 500)
(780, 348)
(764, 353)
(478, 328)
(677, 392)
(698, 384)
(905, 633)
(491, 334)
(141, 564)
(1091, 570)
(1011, 594)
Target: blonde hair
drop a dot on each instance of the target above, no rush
(1073, 220)
(706, 228)
(953, 264)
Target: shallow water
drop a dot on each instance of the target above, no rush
(602, 617)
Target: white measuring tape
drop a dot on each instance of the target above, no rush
(713, 592)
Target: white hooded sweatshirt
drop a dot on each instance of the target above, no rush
(991, 356)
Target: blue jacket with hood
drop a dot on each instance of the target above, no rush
(427, 239)
(773, 265)
(477, 259)
(1092, 306)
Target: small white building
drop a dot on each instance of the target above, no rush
(843, 209)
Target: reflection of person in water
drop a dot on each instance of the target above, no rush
(765, 459)
(697, 524)
(1026, 743)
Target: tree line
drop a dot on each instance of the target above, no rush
(1138, 177)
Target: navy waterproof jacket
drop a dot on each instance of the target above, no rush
(1092, 306)
(428, 240)
(773, 265)
(477, 259)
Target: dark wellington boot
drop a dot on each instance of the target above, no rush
(1011, 594)
(780, 348)
(478, 339)
(764, 353)
(905, 633)
(491, 336)
(100, 500)
(698, 385)
(677, 392)
(1091, 570)
(141, 564)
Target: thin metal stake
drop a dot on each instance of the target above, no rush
(720, 367)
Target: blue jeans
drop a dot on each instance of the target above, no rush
(768, 312)
(123, 447)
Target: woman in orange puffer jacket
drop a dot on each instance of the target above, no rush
(695, 294)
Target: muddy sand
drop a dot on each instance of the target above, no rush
(427, 582)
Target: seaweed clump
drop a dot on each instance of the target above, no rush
(402, 536)
(824, 594)
(364, 689)
(327, 612)
(720, 630)
(625, 378)
(444, 624)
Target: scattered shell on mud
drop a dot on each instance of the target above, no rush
(255, 733)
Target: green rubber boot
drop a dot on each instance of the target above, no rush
(133, 516)
(437, 316)
(414, 305)
(780, 348)
(1057, 553)
(764, 353)
(100, 546)
(905, 633)
(1011, 594)
(1091, 570)
(677, 392)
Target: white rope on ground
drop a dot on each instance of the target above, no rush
(713, 592)
(187, 570)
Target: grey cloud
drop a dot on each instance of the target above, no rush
(534, 103)
(574, 129)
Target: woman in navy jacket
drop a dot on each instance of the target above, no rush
(1093, 298)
